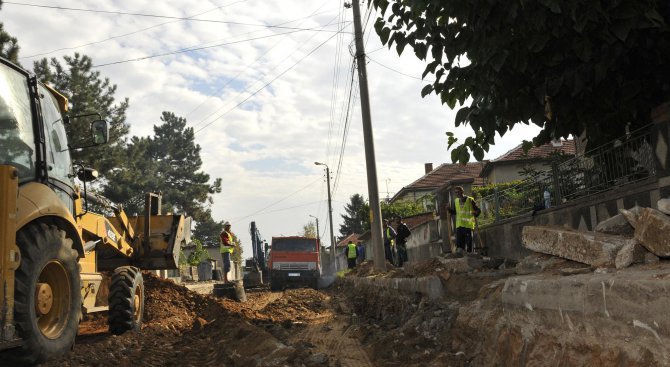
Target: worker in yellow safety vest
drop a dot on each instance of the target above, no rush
(351, 254)
(466, 211)
(227, 248)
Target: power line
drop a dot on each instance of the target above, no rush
(192, 49)
(268, 83)
(278, 201)
(399, 72)
(250, 65)
(130, 33)
(259, 79)
(163, 16)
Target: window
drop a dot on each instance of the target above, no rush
(58, 155)
(17, 141)
(294, 244)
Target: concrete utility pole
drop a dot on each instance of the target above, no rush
(330, 216)
(373, 190)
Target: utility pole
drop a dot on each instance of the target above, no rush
(330, 216)
(373, 190)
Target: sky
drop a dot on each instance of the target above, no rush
(266, 85)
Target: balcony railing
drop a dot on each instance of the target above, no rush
(623, 161)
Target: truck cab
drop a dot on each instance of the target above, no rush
(294, 261)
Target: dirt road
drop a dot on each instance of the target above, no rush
(297, 327)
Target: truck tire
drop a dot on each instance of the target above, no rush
(47, 295)
(126, 300)
(275, 285)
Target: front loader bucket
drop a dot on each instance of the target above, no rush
(167, 234)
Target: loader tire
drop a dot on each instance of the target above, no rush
(47, 295)
(126, 300)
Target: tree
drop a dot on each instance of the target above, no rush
(168, 162)
(568, 66)
(355, 217)
(198, 255)
(87, 93)
(185, 187)
(207, 229)
(309, 230)
(9, 46)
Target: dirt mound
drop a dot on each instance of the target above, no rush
(183, 328)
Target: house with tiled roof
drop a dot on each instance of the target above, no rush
(508, 167)
(434, 179)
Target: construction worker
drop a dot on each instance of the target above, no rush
(466, 211)
(389, 241)
(402, 233)
(227, 248)
(350, 251)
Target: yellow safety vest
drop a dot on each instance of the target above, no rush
(464, 216)
(225, 248)
(388, 236)
(351, 254)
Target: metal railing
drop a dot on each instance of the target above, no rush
(623, 161)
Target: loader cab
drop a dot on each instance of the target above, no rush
(32, 132)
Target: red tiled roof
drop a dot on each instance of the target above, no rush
(543, 151)
(444, 173)
(345, 240)
(418, 219)
(534, 153)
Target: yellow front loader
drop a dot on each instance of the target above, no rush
(58, 259)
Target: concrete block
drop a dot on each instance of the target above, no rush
(616, 225)
(632, 253)
(537, 263)
(652, 232)
(663, 205)
(632, 215)
(461, 265)
(595, 249)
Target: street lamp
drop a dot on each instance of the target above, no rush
(330, 214)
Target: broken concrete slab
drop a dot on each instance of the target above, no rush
(652, 232)
(663, 205)
(632, 215)
(575, 271)
(617, 224)
(632, 253)
(595, 249)
(462, 264)
(537, 263)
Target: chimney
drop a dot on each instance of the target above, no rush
(428, 167)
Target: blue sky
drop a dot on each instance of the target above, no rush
(284, 109)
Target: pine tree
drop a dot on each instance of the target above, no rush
(356, 216)
(207, 229)
(185, 187)
(87, 93)
(9, 46)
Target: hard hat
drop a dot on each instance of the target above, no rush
(226, 224)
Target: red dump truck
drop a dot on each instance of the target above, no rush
(294, 261)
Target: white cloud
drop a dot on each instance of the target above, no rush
(264, 152)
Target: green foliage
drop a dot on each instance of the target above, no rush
(566, 66)
(87, 93)
(168, 162)
(198, 255)
(403, 208)
(479, 192)
(309, 230)
(9, 46)
(237, 254)
(356, 217)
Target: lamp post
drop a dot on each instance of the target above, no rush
(330, 215)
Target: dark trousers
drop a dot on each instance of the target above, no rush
(464, 238)
(402, 253)
(351, 263)
(388, 252)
